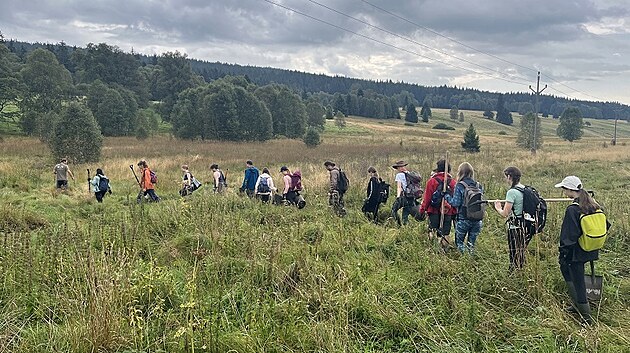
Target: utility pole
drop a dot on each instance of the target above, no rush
(614, 140)
(537, 92)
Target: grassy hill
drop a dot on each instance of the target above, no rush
(218, 273)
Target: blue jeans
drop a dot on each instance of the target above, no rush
(463, 227)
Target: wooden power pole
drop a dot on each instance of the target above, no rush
(537, 92)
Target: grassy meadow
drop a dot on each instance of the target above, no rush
(223, 273)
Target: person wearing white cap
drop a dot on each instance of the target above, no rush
(571, 256)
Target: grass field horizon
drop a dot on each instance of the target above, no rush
(218, 273)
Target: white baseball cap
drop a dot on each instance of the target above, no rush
(571, 182)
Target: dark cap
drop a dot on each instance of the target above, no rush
(283, 168)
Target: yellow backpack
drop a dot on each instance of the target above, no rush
(594, 230)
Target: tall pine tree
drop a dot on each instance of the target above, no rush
(503, 114)
(471, 140)
(411, 115)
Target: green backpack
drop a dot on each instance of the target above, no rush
(594, 230)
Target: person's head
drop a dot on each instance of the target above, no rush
(512, 175)
(64, 160)
(439, 167)
(400, 166)
(372, 171)
(185, 167)
(142, 163)
(572, 187)
(465, 170)
(249, 163)
(99, 171)
(284, 170)
(329, 165)
(214, 167)
(265, 171)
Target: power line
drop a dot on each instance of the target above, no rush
(479, 51)
(388, 44)
(411, 40)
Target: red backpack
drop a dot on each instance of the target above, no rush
(296, 181)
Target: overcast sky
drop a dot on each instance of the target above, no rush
(582, 44)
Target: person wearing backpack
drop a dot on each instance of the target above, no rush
(292, 187)
(189, 182)
(572, 255)
(61, 171)
(407, 191)
(469, 217)
(432, 202)
(220, 183)
(147, 181)
(100, 185)
(250, 179)
(374, 197)
(337, 188)
(264, 187)
(513, 211)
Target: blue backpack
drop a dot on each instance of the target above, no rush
(103, 183)
(436, 197)
(263, 186)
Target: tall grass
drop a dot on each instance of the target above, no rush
(224, 273)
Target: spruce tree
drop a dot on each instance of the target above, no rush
(503, 114)
(76, 135)
(525, 137)
(461, 117)
(426, 111)
(454, 113)
(411, 115)
(570, 127)
(471, 139)
(311, 137)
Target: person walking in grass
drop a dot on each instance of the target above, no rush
(61, 171)
(518, 239)
(335, 192)
(292, 187)
(373, 197)
(250, 179)
(220, 183)
(465, 226)
(147, 183)
(264, 187)
(406, 202)
(438, 211)
(571, 255)
(100, 185)
(189, 183)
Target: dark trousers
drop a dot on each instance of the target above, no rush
(264, 197)
(517, 243)
(99, 195)
(574, 272)
(407, 204)
(152, 195)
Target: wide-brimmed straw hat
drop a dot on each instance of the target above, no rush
(399, 164)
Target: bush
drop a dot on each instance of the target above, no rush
(76, 135)
(442, 126)
(312, 138)
(502, 133)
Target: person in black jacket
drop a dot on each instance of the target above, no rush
(373, 200)
(571, 256)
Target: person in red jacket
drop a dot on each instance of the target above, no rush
(435, 183)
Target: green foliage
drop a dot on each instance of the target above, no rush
(502, 133)
(471, 140)
(442, 126)
(425, 112)
(461, 117)
(526, 134)
(503, 114)
(526, 107)
(340, 120)
(10, 85)
(411, 114)
(173, 77)
(47, 83)
(311, 137)
(316, 114)
(571, 125)
(339, 103)
(454, 112)
(488, 114)
(76, 135)
(329, 113)
(288, 112)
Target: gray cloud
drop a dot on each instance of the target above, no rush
(576, 41)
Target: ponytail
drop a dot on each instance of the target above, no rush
(587, 204)
(513, 173)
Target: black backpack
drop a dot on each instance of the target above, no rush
(103, 183)
(383, 191)
(534, 215)
(473, 202)
(342, 181)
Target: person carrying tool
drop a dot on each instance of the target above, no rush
(147, 182)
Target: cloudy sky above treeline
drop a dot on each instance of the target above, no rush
(582, 47)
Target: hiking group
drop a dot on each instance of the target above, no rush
(444, 200)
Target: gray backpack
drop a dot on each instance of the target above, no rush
(473, 203)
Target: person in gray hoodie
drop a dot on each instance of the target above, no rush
(335, 194)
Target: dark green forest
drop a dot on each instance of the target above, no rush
(131, 93)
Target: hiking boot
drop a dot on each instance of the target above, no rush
(585, 312)
(573, 295)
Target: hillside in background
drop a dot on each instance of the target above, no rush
(440, 97)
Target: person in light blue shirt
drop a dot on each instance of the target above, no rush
(513, 210)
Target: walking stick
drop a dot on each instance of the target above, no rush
(443, 205)
(88, 171)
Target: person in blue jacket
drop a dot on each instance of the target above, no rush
(464, 226)
(249, 181)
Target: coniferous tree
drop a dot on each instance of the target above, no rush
(426, 111)
(340, 120)
(525, 137)
(461, 117)
(311, 137)
(454, 112)
(471, 140)
(503, 114)
(570, 127)
(411, 114)
(316, 114)
(329, 113)
(76, 135)
(10, 85)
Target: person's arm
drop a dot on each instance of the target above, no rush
(571, 229)
(334, 179)
(370, 188)
(256, 186)
(458, 196)
(216, 175)
(246, 178)
(70, 173)
(272, 186)
(142, 179)
(95, 181)
(505, 210)
(287, 184)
